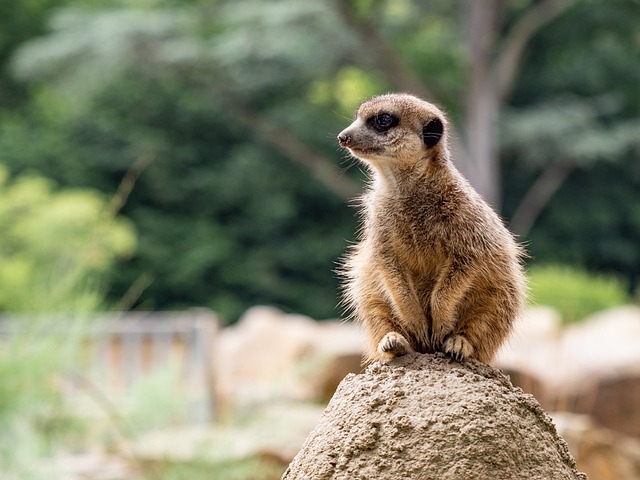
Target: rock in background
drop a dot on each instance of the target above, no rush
(592, 367)
(271, 355)
(602, 453)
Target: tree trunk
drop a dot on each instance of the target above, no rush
(493, 65)
(538, 196)
(482, 103)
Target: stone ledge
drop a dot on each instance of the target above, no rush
(429, 417)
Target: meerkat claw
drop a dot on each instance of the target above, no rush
(394, 344)
(458, 347)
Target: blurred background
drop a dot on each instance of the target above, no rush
(166, 166)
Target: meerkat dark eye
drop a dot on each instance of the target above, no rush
(383, 122)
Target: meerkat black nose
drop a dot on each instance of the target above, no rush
(344, 139)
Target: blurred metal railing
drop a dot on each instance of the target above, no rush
(120, 351)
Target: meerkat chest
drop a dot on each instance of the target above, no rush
(414, 221)
(407, 233)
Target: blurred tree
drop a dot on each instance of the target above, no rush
(223, 220)
(496, 33)
(51, 242)
(559, 136)
(243, 202)
(19, 21)
(571, 138)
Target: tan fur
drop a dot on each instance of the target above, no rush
(435, 268)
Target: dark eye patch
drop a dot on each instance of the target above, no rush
(382, 122)
(432, 132)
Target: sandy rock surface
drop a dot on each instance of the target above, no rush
(428, 417)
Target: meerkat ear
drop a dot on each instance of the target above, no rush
(432, 132)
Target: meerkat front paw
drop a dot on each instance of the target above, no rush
(394, 344)
(458, 347)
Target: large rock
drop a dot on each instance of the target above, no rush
(533, 344)
(531, 355)
(613, 402)
(602, 453)
(592, 367)
(269, 355)
(603, 345)
(564, 359)
(601, 369)
(428, 417)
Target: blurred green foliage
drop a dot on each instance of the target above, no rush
(226, 215)
(51, 242)
(575, 292)
(244, 469)
(34, 417)
(55, 245)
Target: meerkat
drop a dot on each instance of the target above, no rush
(435, 269)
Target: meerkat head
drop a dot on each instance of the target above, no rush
(396, 130)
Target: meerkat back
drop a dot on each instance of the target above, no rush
(435, 269)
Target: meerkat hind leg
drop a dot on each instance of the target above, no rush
(458, 347)
(394, 343)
